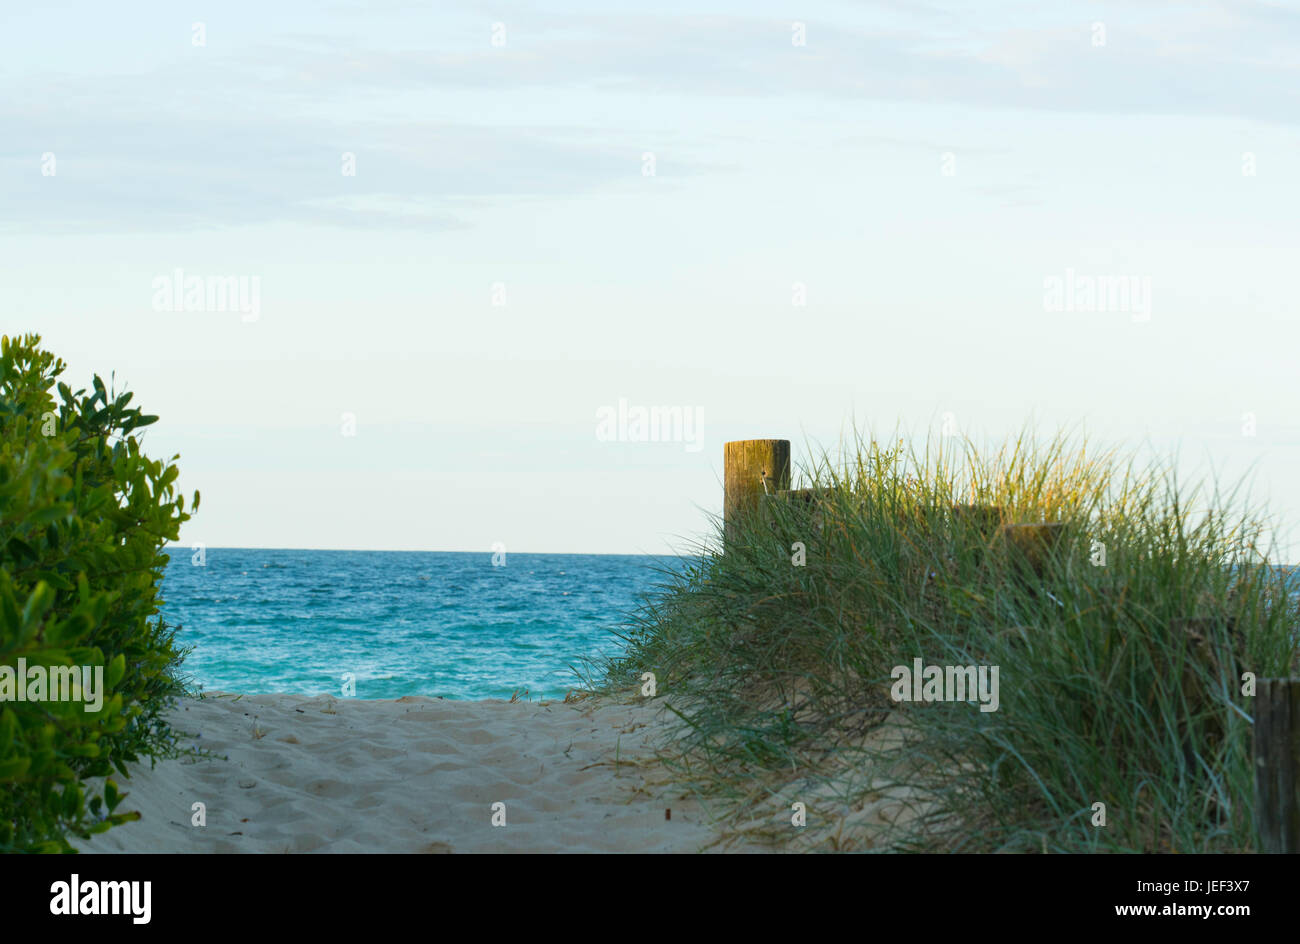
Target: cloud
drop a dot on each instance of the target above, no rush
(439, 124)
(186, 171)
(1169, 58)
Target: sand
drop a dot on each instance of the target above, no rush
(290, 773)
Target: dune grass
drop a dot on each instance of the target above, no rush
(1121, 634)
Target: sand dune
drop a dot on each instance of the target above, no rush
(290, 773)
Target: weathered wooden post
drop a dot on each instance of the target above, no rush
(751, 468)
(1277, 764)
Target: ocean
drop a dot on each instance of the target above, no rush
(398, 623)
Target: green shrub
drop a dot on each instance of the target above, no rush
(1120, 680)
(84, 515)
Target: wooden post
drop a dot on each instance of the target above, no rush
(1277, 764)
(751, 468)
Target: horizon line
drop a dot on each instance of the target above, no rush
(383, 550)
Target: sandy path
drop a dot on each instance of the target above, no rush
(298, 774)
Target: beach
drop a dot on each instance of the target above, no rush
(290, 773)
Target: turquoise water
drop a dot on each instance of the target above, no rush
(402, 623)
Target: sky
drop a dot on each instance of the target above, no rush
(474, 241)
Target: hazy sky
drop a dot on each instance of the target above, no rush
(777, 218)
